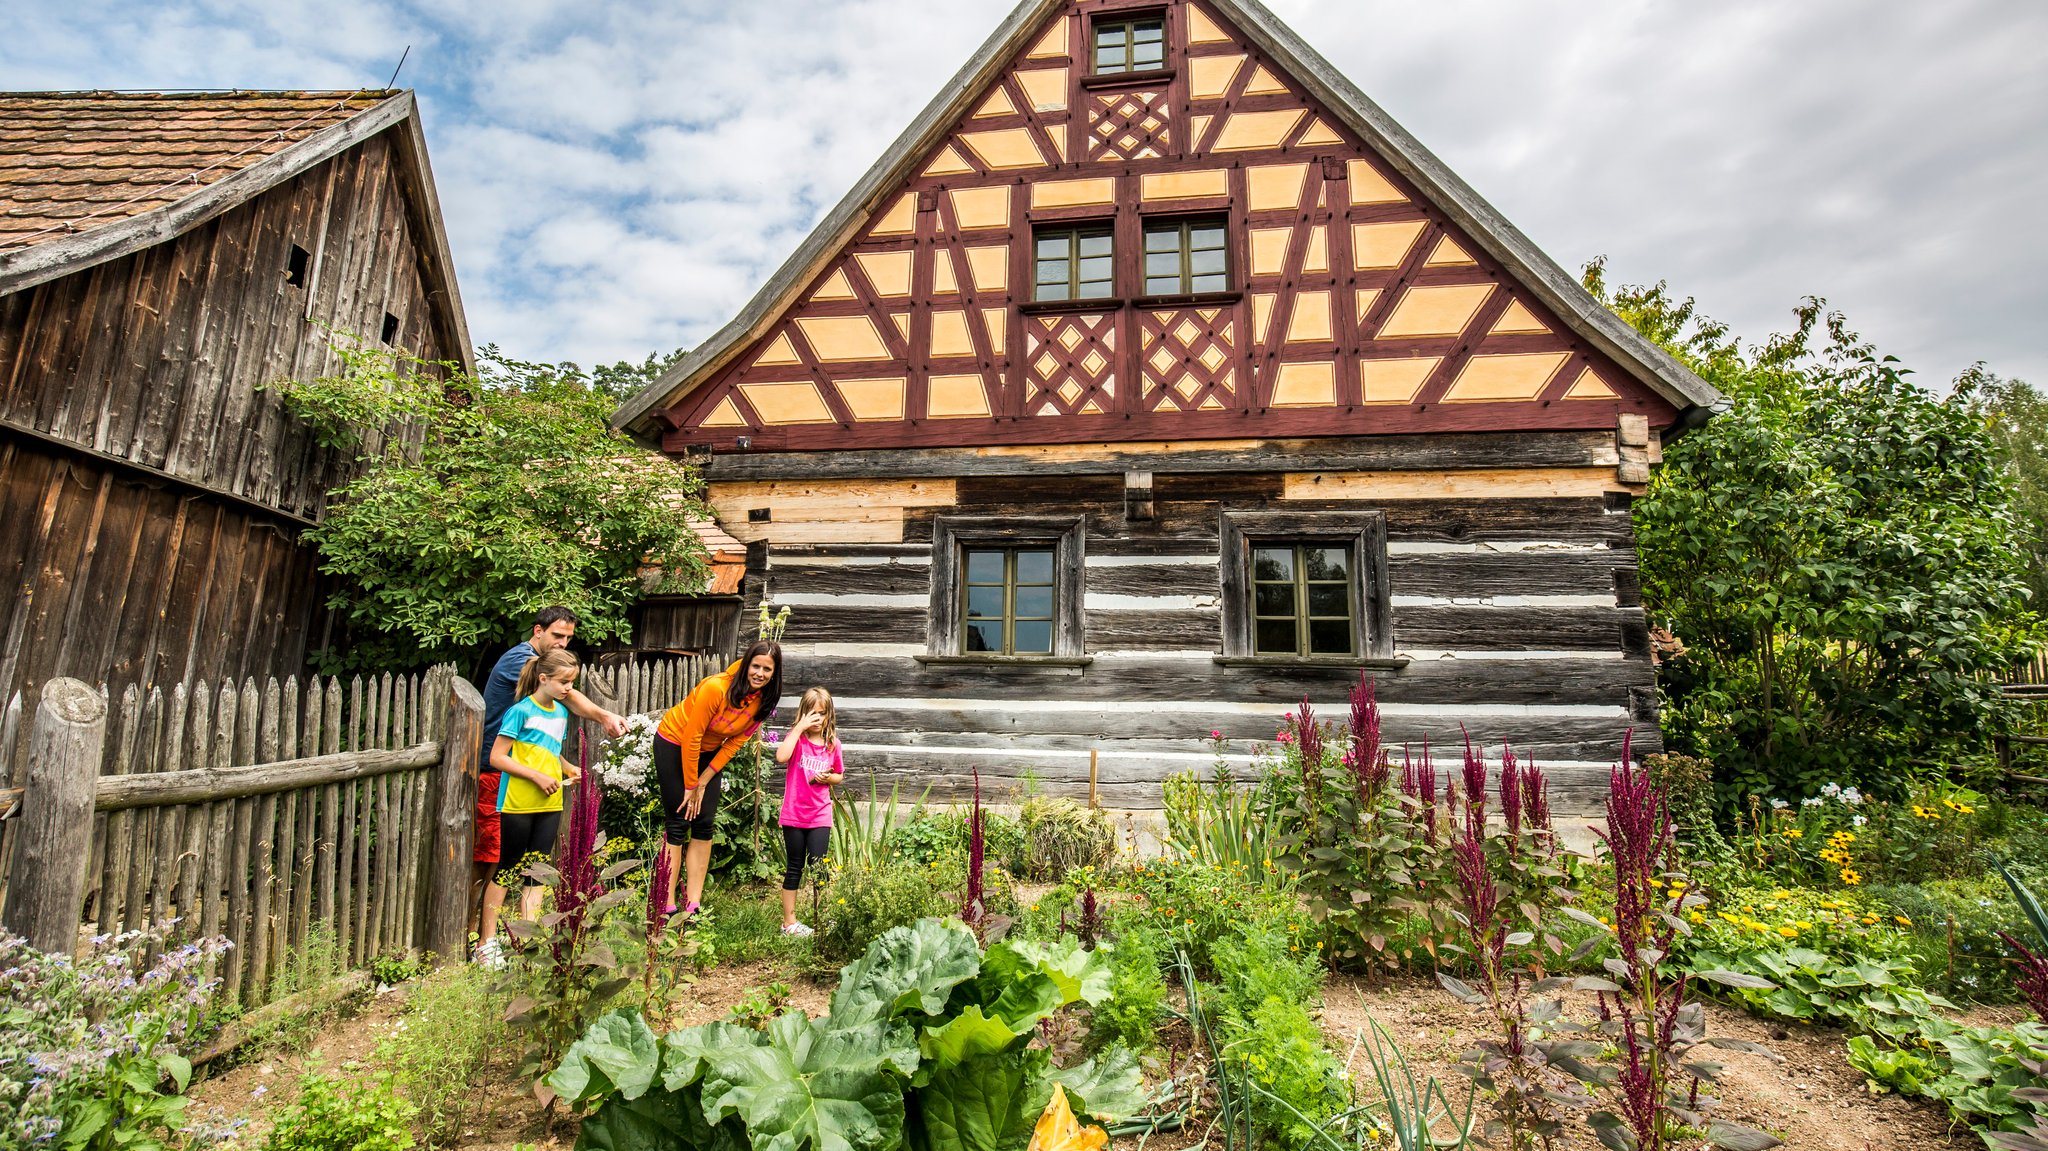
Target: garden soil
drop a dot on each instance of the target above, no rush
(1813, 1099)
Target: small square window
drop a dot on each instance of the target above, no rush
(1130, 45)
(1073, 263)
(1306, 586)
(1303, 599)
(1186, 257)
(1006, 588)
(1007, 601)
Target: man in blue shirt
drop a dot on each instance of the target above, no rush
(554, 627)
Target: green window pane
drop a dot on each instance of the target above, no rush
(985, 567)
(1205, 236)
(1034, 637)
(1034, 603)
(985, 602)
(1273, 563)
(1329, 637)
(1275, 636)
(1273, 599)
(1328, 599)
(985, 636)
(1328, 563)
(1034, 567)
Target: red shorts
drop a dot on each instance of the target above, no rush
(486, 818)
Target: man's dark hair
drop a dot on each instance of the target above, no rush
(550, 616)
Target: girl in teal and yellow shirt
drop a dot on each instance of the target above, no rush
(528, 754)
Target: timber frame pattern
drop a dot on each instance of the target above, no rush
(1371, 293)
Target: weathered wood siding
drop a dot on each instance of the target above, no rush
(1513, 596)
(151, 496)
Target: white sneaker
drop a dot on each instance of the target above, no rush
(799, 930)
(490, 955)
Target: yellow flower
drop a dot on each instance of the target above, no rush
(1851, 878)
(1870, 919)
(1696, 917)
(842, 899)
(1903, 921)
(1831, 905)
(1788, 932)
(1925, 813)
(1794, 833)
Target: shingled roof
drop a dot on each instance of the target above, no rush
(87, 177)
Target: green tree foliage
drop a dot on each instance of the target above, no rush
(494, 494)
(2016, 416)
(1838, 553)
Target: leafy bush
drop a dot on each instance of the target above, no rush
(862, 903)
(1059, 836)
(927, 1044)
(453, 1022)
(1980, 1073)
(1300, 1085)
(362, 1113)
(741, 926)
(1952, 936)
(1263, 963)
(1130, 1017)
(747, 843)
(932, 836)
(1197, 905)
(86, 1045)
(1871, 996)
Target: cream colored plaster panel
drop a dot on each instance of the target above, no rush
(1203, 30)
(902, 322)
(725, 415)
(1383, 245)
(1264, 83)
(1046, 88)
(1321, 133)
(843, 339)
(954, 397)
(787, 403)
(1184, 185)
(1056, 135)
(835, 287)
(1274, 187)
(900, 219)
(1246, 131)
(889, 272)
(1318, 257)
(945, 277)
(875, 399)
(1310, 322)
(1006, 148)
(779, 352)
(1448, 252)
(948, 162)
(1073, 193)
(1198, 127)
(997, 104)
(1589, 386)
(1477, 483)
(997, 322)
(1395, 381)
(1369, 187)
(981, 207)
(1053, 43)
(1209, 76)
(1305, 386)
(949, 334)
(1269, 250)
(1496, 378)
(990, 268)
(1366, 298)
(1518, 320)
(1262, 316)
(1437, 311)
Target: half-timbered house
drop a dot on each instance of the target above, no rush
(163, 257)
(1156, 380)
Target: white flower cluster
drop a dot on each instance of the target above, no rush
(627, 771)
(1846, 796)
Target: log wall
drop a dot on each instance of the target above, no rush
(1514, 606)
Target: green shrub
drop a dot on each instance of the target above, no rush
(452, 1024)
(1196, 905)
(863, 902)
(1871, 996)
(1263, 964)
(1137, 993)
(1297, 1087)
(1953, 928)
(361, 1113)
(931, 836)
(1060, 836)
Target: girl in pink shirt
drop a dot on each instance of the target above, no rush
(811, 749)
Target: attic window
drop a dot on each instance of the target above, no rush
(1130, 45)
(295, 267)
(390, 332)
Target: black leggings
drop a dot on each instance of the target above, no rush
(802, 846)
(524, 833)
(668, 772)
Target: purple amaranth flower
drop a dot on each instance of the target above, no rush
(977, 846)
(1511, 793)
(657, 895)
(580, 883)
(1368, 760)
(1309, 737)
(1535, 796)
(1481, 897)
(1474, 790)
(1091, 919)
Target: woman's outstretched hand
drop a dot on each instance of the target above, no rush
(694, 802)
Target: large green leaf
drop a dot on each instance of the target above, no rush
(907, 967)
(617, 1055)
(658, 1121)
(984, 1103)
(803, 1083)
(965, 1036)
(1109, 1087)
(1081, 974)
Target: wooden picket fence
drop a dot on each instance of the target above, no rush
(643, 685)
(263, 812)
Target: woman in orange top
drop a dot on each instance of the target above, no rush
(696, 739)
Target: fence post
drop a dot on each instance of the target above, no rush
(445, 927)
(56, 818)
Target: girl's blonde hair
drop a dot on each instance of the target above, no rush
(554, 663)
(819, 700)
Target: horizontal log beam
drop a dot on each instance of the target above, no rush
(206, 784)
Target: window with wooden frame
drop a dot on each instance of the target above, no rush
(1130, 44)
(1073, 263)
(1306, 587)
(1005, 590)
(1187, 257)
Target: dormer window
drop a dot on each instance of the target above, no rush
(1130, 45)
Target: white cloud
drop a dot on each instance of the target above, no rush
(619, 177)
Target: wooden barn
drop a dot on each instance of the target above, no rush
(1156, 380)
(162, 258)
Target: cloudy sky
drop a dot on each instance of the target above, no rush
(619, 177)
